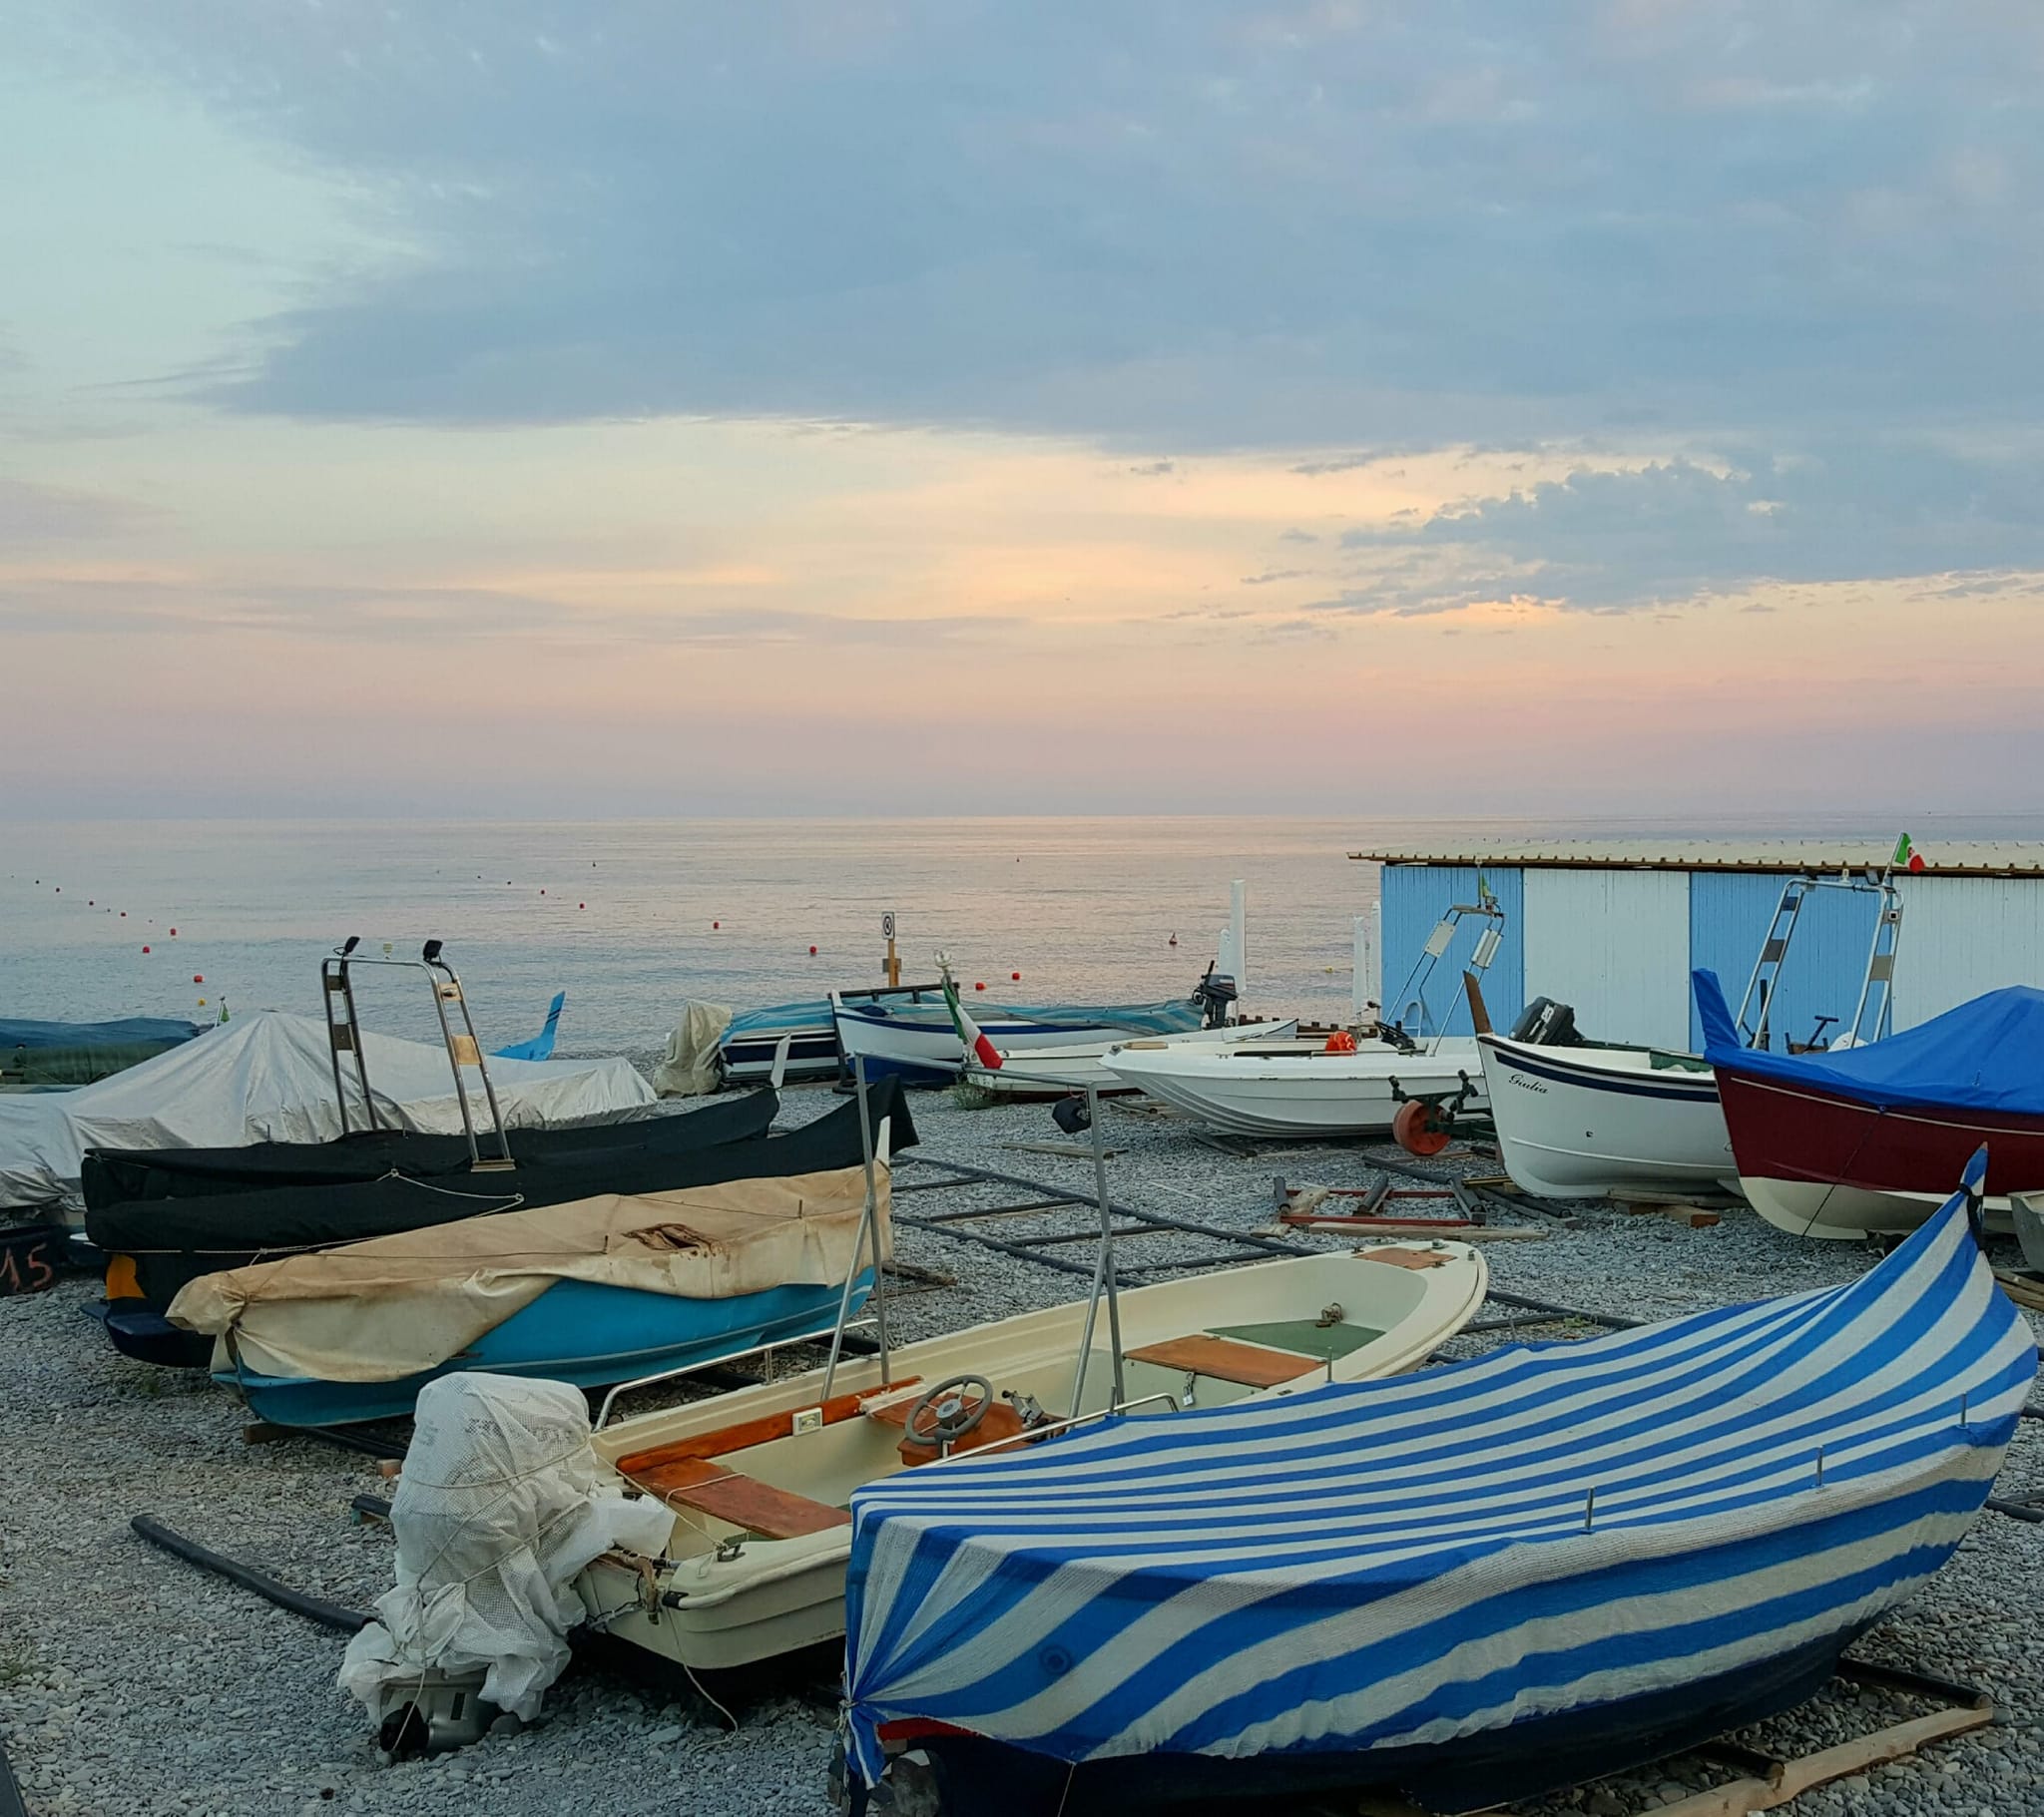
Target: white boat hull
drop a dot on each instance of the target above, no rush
(1300, 1094)
(730, 1596)
(1053, 1071)
(1805, 1207)
(1590, 1123)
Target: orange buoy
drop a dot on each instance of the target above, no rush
(1419, 1129)
(1340, 1041)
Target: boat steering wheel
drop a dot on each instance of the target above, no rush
(955, 1416)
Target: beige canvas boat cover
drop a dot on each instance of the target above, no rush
(380, 1311)
(690, 1067)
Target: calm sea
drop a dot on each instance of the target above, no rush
(633, 917)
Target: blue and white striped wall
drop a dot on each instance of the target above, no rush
(1619, 945)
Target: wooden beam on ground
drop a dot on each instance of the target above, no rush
(1743, 1798)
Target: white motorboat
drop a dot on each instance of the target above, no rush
(918, 1041)
(1302, 1089)
(759, 1479)
(1595, 1122)
(1039, 1072)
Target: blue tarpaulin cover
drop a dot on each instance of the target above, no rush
(1413, 1561)
(15, 1033)
(1986, 1055)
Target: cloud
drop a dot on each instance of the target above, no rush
(1669, 532)
(1154, 468)
(1298, 535)
(32, 514)
(1182, 219)
(1275, 573)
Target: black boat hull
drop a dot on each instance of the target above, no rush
(1526, 1760)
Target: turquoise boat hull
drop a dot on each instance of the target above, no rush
(575, 1331)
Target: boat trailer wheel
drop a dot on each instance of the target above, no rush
(955, 1416)
(1420, 1128)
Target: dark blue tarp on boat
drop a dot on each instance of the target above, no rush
(15, 1033)
(1986, 1055)
(78, 1053)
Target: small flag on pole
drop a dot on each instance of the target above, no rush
(977, 1046)
(1907, 857)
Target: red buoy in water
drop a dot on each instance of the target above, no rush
(1015, 977)
(582, 905)
(145, 949)
(1419, 1129)
(979, 987)
(716, 924)
(198, 977)
(813, 952)
(173, 933)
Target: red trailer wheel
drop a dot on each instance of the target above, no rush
(1420, 1129)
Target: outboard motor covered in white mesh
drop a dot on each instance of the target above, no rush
(500, 1506)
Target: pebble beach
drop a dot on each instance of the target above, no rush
(132, 1683)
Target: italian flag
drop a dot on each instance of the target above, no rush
(1907, 857)
(977, 1046)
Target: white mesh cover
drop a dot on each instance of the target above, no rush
(499, 1507)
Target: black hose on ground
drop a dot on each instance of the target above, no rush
(11, 1804)
(327, 1614)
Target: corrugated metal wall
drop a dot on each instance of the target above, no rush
(1415, 897)
(1729, 913)
(1963, 936)
(1614, 944)
(1619, 945)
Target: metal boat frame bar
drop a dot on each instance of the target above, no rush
(343, 1036)
(1412, 993)
(1881, 957)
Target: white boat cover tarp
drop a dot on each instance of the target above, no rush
(499, 1508)
(268, 1076)
(1417, 1560)
(380, 1311)
(690, 1067)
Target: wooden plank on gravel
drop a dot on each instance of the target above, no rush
(1744, 1796)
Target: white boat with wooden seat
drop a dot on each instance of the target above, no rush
(759, 1479)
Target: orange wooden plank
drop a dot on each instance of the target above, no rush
(741, 1435)
(1226, 1360)
(1404, 1259)
(746, 1501)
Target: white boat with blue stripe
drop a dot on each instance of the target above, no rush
(1474, 1584)
(917, 1041)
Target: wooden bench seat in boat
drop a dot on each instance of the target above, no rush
(758, 1507)
(721, 1441)
(1227, 1359)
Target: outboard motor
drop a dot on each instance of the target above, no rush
(1214, 994)
(1543, 1023)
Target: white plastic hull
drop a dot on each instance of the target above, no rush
(1309, 1094)
(730, 1605)
(1805, 1207)
(1053, 1071)
(1589, 1122)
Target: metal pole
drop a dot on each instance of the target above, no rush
(1239, 926)
(1103, 1274)
(869, 1223)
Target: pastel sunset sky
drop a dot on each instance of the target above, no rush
(552, 406)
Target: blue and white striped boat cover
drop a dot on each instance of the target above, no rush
(1408, 1562)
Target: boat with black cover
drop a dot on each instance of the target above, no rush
(327, 1198)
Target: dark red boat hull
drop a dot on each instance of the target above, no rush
(1794, 1133)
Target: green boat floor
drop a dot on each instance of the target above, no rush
(1301, 1335)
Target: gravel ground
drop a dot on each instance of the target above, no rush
(132, 1683)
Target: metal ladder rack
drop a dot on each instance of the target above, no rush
(464, 1048)
(1877, 983)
